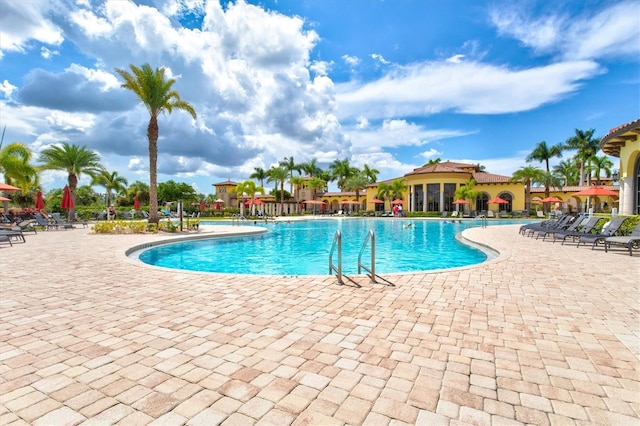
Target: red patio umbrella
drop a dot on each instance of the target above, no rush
(39, 201)
(497, 200)
(4, 198)
(136, 203)
(7, 187)
(596, 191)
(461, 201)
(202, 205)
(397, 201)
(67, 201)
(377, 201)
(257, 201)
(551, 200)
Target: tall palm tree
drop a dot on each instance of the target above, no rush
(528, 175)
(260, 174)
(586, 147)
(73, 159)
(279, 175)
(110, 182)
(544, 153)
(290, 166)
(370, 173)
(156, 93)
(341, 170)
(311, 167)
(16, 168)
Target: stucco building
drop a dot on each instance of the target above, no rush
(623, 142)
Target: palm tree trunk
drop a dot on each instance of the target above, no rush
(152, 134)
(281, 197)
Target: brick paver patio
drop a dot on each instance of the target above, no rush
(543, 334)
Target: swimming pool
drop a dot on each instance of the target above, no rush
(303, 247)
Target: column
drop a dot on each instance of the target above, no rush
(626, 195)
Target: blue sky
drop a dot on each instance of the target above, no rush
(391, 84)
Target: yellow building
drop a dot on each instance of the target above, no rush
(623, 142)
(432, 189)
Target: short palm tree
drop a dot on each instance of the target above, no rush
(110, 182)
(600, 164)
(316, 183)
(140, 189)
(586, 146)
(297, 182)
(466, 192)
(156, 93)
(356, 183)
(384, 192)
(73, 159)
(568, 170)
(250, 188)
(398, 188)
(16, 168)
(528, 175)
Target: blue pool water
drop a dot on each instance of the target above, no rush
(302, 248)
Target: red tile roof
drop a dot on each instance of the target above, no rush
(573, 188)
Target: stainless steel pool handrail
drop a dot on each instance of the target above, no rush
(337, 241)
(371, 237)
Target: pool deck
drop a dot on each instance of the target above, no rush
(542, 334)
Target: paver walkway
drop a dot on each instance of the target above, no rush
(543, 334)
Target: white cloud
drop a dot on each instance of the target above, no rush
(430, 154)
(362, 123)
(379, 58)
(7, 89)
(105, 79)
(352, 61)
(455, 59)
(48, 53)
(609, 32)
(25, 21)
(468, 87)
(394, 134)
(67, 122)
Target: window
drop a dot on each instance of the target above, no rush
(507, 197)
(449, 192)
(418, 198)
(482, 202)
(433, 197)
